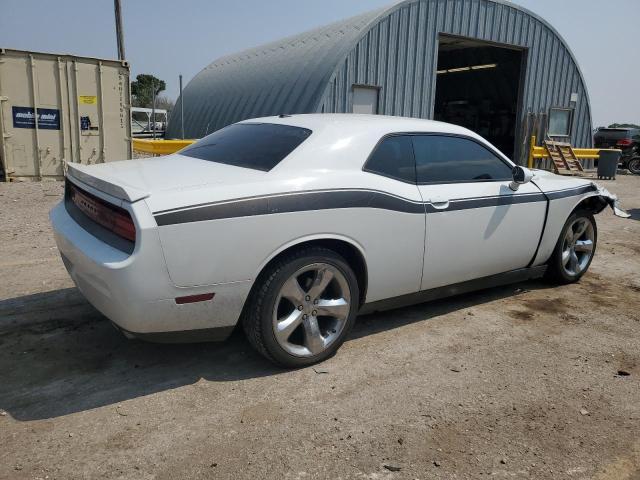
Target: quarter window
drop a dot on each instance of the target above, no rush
(393, 157)
(447, 159)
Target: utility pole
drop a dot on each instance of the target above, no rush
(119, 34)
(153, 108)
(181, 110)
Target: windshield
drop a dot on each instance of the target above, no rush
(260, 146)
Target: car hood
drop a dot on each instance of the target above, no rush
(549, 181)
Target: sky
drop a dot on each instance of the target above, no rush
(168, 37)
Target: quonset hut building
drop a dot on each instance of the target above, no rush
(490, 66)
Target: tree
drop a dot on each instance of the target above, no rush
(164, 103)
(142, 89)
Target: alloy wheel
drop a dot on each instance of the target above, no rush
(311, 309)
(577, 246)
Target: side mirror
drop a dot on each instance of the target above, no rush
(521, 176)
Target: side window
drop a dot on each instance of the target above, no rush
(393, 157)
(444, 159)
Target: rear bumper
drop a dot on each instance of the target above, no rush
(134, 290)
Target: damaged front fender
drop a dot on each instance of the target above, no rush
(611, 200)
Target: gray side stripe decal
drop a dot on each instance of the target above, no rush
(294, 202)
(571, 192)
(467, 203)
(334, 199)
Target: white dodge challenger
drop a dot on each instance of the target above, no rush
(293, 225)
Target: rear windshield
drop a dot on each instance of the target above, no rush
(260, 146)
(614, 133)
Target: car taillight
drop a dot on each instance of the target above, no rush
(113, 218)
(624, 142)
(123, 226)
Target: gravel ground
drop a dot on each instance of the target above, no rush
(525, 381)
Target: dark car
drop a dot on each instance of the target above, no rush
(625, 139)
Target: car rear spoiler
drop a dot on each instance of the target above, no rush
(104, 183)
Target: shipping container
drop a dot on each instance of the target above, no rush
(56, 109)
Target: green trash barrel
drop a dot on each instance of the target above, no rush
(608, 163)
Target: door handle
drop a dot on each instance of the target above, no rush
(439, 202)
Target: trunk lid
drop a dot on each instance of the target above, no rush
(134, 180)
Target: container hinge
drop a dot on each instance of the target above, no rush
(3, 98)
(7, 135)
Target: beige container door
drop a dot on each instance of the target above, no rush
(90, 126)
(102, 112)
(114, 95)
(15, 73)
(50, 131)
(32, 148)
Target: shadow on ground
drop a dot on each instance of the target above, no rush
(59, 356)
(635, 213)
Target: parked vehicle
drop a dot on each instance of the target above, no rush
(292, 225)
(625, 139)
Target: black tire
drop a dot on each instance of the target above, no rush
(555, 267)
(257, 320)
(634, 165)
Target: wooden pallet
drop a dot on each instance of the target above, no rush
(563, 158)
(566, 150)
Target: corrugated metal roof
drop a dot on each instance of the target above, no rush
(285, 76)
(395, 48)
(399, 52)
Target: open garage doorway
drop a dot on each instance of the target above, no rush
(478, 87)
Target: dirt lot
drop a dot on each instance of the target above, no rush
(526, 381)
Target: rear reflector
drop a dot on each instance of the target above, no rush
(625, 142)
(203, 297)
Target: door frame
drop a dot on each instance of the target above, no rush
(524, 62)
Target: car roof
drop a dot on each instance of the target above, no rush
(355, 123)
(351, 137)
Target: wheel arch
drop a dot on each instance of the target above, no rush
(347, 247)
(593, 203)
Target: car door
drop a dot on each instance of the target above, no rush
(476, 226)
